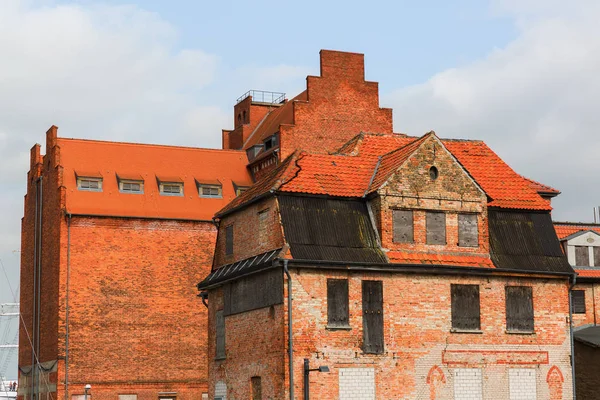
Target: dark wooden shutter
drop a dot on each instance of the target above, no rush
(220, 335)
(465, 307)
(337, 302)
(403, 226)
(256, 388)
(229, 240)
(519, 308)
(436, 228)
(372, 304)
(578, 301)
(582, 256)
(467, 230)
(596, 256)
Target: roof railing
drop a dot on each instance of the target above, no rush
(260, 96)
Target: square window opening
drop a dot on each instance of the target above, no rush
(89, 184)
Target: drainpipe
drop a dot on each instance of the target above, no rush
(69, 216)
(34, 270)
(290, 338)
(571, 329)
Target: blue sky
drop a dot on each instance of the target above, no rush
(519, 74)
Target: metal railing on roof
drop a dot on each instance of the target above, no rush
(260, 96)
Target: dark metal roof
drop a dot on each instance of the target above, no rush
(525, 241)
(589, 336)
(329, 229)
(240, 268)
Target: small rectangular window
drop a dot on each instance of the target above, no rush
(240, 190)
(256, 384)
(519, 308)
(436, 227)
(213, 191)
(220, 335)
(372, 305)
(229, 240)
(465, 307)
(403, 226)
(89, 184)
(582, 256)
(467, 230)
(128, 397)
(578, 301)
(171, 188)
(596, 252)
(337, 303)
(131, 186)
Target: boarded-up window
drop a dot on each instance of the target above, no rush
(578, 301)
(256, 384)
(403, 226)
(220, 335)
(263, 228)
(465, 307)
(436, 228)
(582, 256)
(229, 240)
(372, 305)
(596, 256)
(519, 308)
(337, 303)
(253, 292)
(467, 230)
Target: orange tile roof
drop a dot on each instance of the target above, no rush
(541, 188)
(283, 115)
(186, 164)
(463, 260)
(564, 229)
(588, 273)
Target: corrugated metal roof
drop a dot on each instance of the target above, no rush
(240, 268)
(329, 230)
(525, 241)
(589, 336)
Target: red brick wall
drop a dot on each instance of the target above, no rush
(248, 241)
(592, 300)
(417, 322)
(340, 105)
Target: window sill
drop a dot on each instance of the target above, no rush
(513, 332)
(220, 358)
(475, 331)
(338, 327)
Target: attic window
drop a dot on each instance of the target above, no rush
(89, 184)
(240, 190)
(433, 173)
(211, 191)
(131, 186)
(270, 142)
(171, 188)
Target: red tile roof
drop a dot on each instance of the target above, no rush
(588, 273)
(564, 229)
(541, 188)
(463, 260)
(149, 162)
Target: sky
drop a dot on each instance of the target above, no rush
(522, 75)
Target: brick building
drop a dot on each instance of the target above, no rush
(413, 268)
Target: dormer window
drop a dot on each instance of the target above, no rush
(131, 186)
(270, 142)
(239, 189)
(89, 184)
(210, 191)
(171, 188)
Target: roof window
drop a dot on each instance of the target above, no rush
(239, 189)
(171, 188)
(89, 184)
(210, 191)
(131, 186)
(270, 142)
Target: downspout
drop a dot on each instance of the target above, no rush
(34, 270)
(67, 307)
(290, 320)
(39, 284)
(572, 341)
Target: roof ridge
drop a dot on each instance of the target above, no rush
(149, 145)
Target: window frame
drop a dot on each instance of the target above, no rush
(461, 233)
(587, 255)
(202, 186)
(81, 179)
(429, 235)
(510, 319)
(336, 299)
(123, 182)
(399, 214)
(220, 345)
(373, 324)
(162, 185)
(454, 305)
(577, 310)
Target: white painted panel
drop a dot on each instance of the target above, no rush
(467, 384)
(522, 384)
(357, 383)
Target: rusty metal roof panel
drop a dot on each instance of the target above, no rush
(329, 229)
(525, 241)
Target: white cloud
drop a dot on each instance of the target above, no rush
(535, 101)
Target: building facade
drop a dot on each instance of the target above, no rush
(402, 264)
